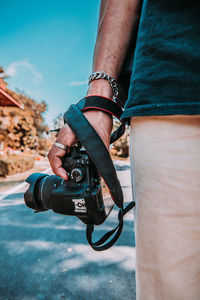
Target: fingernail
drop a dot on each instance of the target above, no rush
(65, 177)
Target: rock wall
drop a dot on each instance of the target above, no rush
(23, 129)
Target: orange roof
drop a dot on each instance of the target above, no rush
(5, 98)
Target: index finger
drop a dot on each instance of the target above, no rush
(55, 158)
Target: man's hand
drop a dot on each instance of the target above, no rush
(117, 22)
(102, 123)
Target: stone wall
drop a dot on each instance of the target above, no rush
(22, 129)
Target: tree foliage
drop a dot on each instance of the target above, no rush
(2, 73)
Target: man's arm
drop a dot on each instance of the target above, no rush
(117, 20)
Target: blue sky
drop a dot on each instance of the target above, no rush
(46, 47)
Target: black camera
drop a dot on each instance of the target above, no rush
(93, 187)
(81, 195)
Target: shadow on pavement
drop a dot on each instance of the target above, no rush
(46, 256)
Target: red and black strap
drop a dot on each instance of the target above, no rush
(107, 105)
(100, 103)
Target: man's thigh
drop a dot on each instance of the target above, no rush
(165, 160)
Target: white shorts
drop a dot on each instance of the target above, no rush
(165, 165)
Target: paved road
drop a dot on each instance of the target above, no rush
(46, 256)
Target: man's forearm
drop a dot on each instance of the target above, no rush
(116, 23)
(117, 20)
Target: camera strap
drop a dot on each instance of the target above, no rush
(100, 156)
(107, 105)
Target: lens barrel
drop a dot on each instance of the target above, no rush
(38, 195)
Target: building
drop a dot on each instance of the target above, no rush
(5, 98)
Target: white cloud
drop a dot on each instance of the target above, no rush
(14, 68)
(77, 83)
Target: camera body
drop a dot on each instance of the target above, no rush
(81, 195)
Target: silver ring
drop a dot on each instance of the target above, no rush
(61, 146)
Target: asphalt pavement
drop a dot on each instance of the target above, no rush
(46, 256)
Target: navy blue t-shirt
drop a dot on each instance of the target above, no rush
(166, 67)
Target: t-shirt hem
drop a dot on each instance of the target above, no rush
(161, 109)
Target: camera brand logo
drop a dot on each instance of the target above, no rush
(79, 205)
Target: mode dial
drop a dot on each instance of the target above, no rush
(77, 174)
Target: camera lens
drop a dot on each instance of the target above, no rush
(38, 195)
